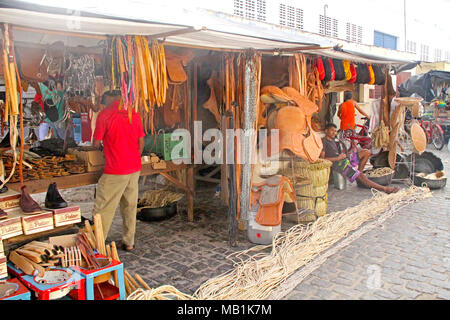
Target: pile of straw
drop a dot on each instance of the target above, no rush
(258, 273)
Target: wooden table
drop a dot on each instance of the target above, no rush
(84, 179)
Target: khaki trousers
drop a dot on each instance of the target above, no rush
(113, 189)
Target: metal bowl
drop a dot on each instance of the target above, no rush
(383, 180)
(157, 214)
(430, 183)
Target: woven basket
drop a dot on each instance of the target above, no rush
(310, 191)
(308, 203)
(318, 172)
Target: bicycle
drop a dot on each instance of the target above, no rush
(433, 132)
(361, 138)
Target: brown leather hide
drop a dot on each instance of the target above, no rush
(274, 71)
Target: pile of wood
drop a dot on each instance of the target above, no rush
(35, 256)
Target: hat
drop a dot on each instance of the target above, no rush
(418, 137)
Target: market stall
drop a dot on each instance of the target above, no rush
(173, 76)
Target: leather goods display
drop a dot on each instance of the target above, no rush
(320, 68)
(372, 75)
(312, 144)
(307, 107)
(53, 199)
(175, 70)
(353, 73)
(27, 203)
(379, 75)
(211, 103)
(272, 94)
(3, 214)
(327, 68)
(362, 73)
(339, 71)
(271, 195)
(347, 71)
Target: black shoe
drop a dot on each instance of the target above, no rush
(4, 189)
(53, 199)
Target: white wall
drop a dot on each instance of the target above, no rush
(426, 22)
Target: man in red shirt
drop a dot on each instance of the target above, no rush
(123, 143)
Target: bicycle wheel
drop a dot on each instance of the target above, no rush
(437, 137)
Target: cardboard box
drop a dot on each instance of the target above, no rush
(94, 159)
(36, 223)
(159, 165)
(3, 268)
(11, 226)
(9, 199)
(65, 216)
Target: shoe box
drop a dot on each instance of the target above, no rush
(94, 159)
(66, 216)
(9, 199)
(3, 267)
(34, 223)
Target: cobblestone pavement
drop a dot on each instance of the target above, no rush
(408, 258)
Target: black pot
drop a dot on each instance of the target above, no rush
(157, 214)
(430, 183)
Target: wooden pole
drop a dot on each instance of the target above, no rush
(250, 101)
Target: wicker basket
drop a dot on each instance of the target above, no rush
(318, 172)
(320, 207)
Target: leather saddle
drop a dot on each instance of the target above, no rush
(270, 196)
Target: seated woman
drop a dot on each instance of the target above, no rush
(331, 151)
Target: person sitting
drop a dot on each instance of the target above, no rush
(332, 152)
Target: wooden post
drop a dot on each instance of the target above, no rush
(224, 195)
(250, 101)
(190, 169)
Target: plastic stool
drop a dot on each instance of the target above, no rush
(46, 291)
(89, 276)
(12, 270)
(22, 293)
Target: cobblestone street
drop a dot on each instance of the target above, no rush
(407, 258)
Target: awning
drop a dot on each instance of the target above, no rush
(233, 35)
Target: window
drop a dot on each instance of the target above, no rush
(239, 7)
(353, 32)
(291, 17)
(250, 9)
(384, 40)
(437, 54)
(447, 55)
(411, 46)
(424, 50)
(328, 26)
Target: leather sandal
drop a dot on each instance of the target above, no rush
(125, 247)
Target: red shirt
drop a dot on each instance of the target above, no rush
(120, 139)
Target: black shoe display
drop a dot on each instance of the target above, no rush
(53, 199)
(4, 189)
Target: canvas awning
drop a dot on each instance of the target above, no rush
(235, 38)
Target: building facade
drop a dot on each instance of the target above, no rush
(402, 25)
